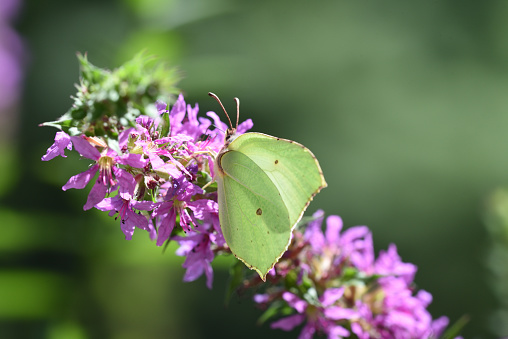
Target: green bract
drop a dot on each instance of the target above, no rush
(108, 100)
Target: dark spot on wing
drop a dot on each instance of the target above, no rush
(259, 211)
(276, 162)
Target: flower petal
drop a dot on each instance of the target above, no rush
(133, 160)
(244, 126)
(338, 313)
(307, 331)
(331, 295)
(298, 304)
(438, 326)
(333, 228)
(97, 193)
(126, 182)
(338, 332)
(62, 141)
(261, 298)
(80, 180)
(194, 271)
(288, 323)
(85, 148)
(167, 224)
(314, 234)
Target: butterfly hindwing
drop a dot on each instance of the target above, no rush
(254, 219)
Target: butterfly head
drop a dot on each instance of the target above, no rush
(231, 132)
(229, 136)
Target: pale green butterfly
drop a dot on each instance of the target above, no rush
(264, 185)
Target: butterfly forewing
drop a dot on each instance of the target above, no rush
(291, 167)
(253, 216)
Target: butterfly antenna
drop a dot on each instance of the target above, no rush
(237, 111)
(221, 105)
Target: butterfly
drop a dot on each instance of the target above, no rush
(264, 185)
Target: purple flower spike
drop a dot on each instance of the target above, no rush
(343, 288)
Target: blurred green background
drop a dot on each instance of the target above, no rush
(403, 102)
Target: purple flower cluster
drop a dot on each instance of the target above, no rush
(150, 181)
(341, 289)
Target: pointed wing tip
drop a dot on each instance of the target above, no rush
(258, 271)
(261, 274)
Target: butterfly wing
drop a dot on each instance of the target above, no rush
(291, 167)
(254, 219)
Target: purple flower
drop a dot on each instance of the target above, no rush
(389, 263)
(333, 248)
(374, 298)
(183, 119)
(208, 211)
(197, 248)
(400, 315)
(126, 207)
(178, 196)
(166, 167)
(166, 213)
(320, 318)
(199, 243)
(357, 246)
(62, 142)
(110, 175)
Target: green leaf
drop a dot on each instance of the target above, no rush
(273, 310)
(454, 330)
(60, 124)
(204, 179)
(349, 273)
(164, 125)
